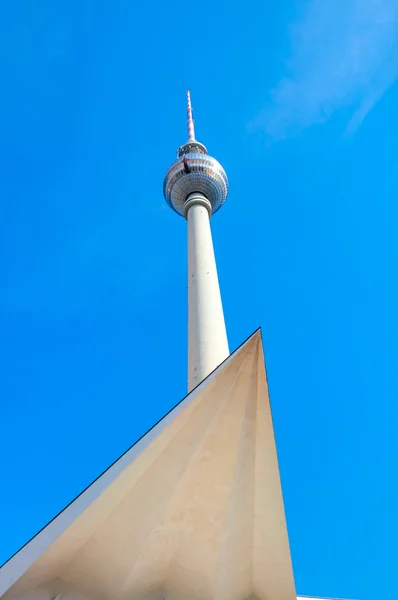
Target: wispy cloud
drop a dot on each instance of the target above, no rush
(343, 53)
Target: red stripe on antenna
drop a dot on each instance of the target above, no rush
(191, 128)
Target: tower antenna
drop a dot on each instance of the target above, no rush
(191, 126)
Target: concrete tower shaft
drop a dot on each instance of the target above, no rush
(196, 186)
(207, 334)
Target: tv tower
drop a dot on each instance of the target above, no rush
(195, 187)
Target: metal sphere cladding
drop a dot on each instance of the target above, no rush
(195, 171)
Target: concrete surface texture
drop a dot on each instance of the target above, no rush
(207, 336)
(193, 511)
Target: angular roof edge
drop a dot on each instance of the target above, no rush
(14, 567)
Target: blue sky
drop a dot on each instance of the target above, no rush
(297, 99)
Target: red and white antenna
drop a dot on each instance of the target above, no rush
(191, 128)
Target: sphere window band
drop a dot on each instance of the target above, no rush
(205, 175)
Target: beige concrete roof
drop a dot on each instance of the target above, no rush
(193, 511)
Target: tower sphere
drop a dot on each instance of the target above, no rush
(194, 171)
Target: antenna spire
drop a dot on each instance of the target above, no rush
(191, 127)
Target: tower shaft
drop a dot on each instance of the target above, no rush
(207, 336)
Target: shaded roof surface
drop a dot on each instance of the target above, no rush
(193, 510)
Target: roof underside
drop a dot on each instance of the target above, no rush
(193, 511)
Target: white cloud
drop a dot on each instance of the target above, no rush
(343, 53)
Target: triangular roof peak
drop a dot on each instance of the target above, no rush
(193, 510)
